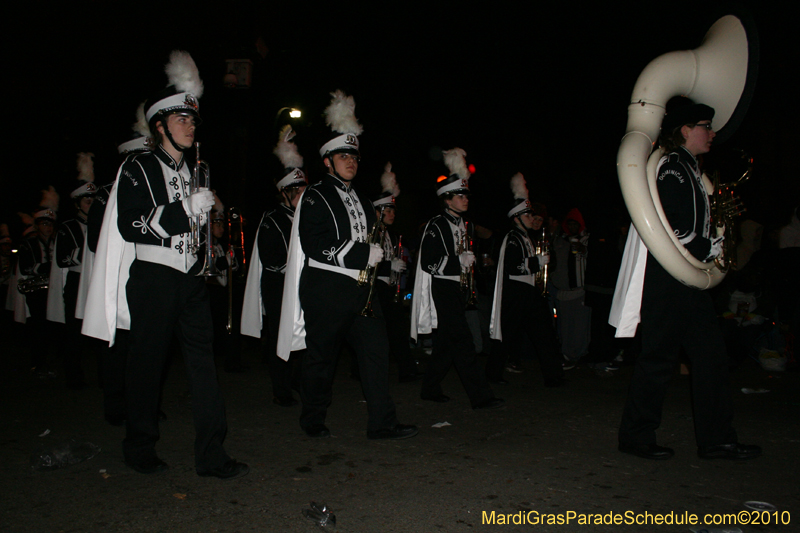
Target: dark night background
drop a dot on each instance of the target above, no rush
(539, 90)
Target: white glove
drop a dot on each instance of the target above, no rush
(467, 259)
(716, 248)
(544, 259)
(398, 265)
(375, 255)
(198, 203)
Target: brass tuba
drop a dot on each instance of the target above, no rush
(720, 73)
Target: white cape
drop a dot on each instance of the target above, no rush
(495, 331)
(55, 293)
(423, 311)
(106, 302)
(253, 308)
(87, 264)
(292, 329)
(627, 303)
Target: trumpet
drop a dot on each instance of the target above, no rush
(542, 246)
(202, 171)
(33, 284)
(370, 273)
(468, 274)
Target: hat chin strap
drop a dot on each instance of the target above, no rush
(169, 136)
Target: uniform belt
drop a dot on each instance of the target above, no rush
(339, 270)
(528, 278)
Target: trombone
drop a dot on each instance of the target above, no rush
(234, 216)
(468, 274)
(370, 273)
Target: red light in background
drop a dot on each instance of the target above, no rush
(441, 178)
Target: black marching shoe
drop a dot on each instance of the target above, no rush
(438, 398)
(491, 403)
(149, 466)
(648, 451)
(729, 451)
(231, 469)
(317, 431)
(398, 432)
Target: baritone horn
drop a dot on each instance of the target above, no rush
(202, 173)
(720, 73)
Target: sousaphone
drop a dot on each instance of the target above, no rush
(720, 73)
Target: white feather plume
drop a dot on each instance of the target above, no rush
(340, 115)
(389, 181)
(183, 74)
(518, 187)
(140, 126)
(86, 167)
(49, 199)
(456, 162)
(286, 150)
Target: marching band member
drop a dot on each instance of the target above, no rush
(389, 272)
(115, 357)
(150, 208)
(439, 301)
(34, 263)
(265, 278)
(519, 308)
(328, 249)
(673, 315)
(226, 343)
(63, 302)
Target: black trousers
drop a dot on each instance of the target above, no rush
(453, 346)
(74, 342)
(525, 313)
(331, 305)
(673, 317)
(284, 375)
(397, 328)
(162, 302)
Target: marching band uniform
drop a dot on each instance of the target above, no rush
(328, 249)
(114, 358)
(439, 302)
(35, 261)
(65, 302)
(388, 273)
(674, 315)
(151, 207)
(519, 309)
(265, 280)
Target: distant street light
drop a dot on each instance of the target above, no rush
(293, 113)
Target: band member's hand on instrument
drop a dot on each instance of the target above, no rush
(716, 248)
(375, 255)
(544, 259)
(467, 259)
(398, 265)
(198, 203)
